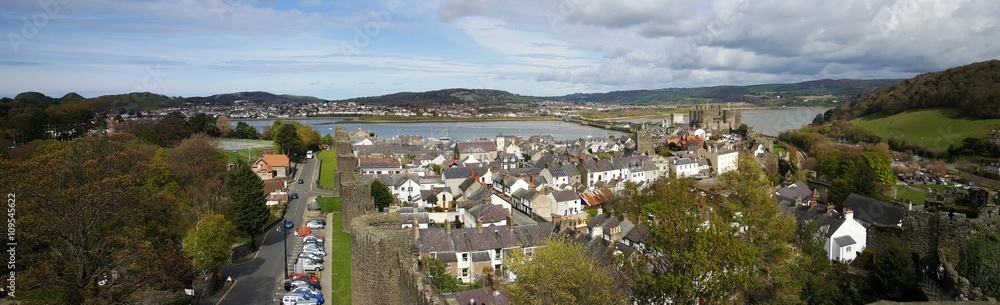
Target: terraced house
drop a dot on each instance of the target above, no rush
(469, 253)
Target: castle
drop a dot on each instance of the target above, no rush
(713, 117)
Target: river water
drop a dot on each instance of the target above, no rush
(767, 121)
(456, 130)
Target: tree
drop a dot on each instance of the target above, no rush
(93, 215)
(893, 275)
(249, 201)
(199, 168)
(287, 139)
(980, 263)
(209, 242)
(202, 123)
(244, 131)
(223, 126)
(579, 280)
(327, 139)
(381, 194)
(440, 277)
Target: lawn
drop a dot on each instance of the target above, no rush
(918, 197)
(934, 129)
(240, 155)
(329, 204)
(340, 265)
(328, 159)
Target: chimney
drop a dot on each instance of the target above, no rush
(510, 220)
(479, 224)
(848, 214)
(909, 205)
(798, 200)
(447, 227)
(600, 211)
(829, 208)
(416, 229)
(624, 216)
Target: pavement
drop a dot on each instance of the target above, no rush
(259, 280)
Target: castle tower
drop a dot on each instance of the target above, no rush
(644, 142)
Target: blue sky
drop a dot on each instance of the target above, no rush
(341, 49)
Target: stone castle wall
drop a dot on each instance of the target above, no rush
(384, 267)
(355, 200)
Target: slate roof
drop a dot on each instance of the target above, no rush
(476, 147)
(490, 213)
(563, 196)
(686, 161)
(371, 162)
(794, 190)
(874, 211)
(640, 233)
(570, 170)
(493, 237)
(462, 172)
(845, 240)
(598, 165)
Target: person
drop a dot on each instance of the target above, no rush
(927, 272)
(940, 272)
(277, 229)
(961, 297)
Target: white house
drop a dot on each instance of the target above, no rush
(566, 203)
(845, 238)
(686, 167)
(723, 160)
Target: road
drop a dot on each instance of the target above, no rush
(259, 280)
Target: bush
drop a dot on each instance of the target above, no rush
(980, 263)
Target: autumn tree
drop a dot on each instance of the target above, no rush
(95, 217)
(381, 194)
(199, 168)
(223, 126)
(209, 242)
(250, 211)
(578, 279)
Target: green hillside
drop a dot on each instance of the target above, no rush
(933, 128)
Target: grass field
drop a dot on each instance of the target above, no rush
(328, 159)
(917, 196)
(241, 154)
(340, 265)
(329, 204)
(934, 129)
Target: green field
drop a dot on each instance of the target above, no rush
(241, 154)
(934, 129)
(328, 159)
(340, 265)
(329, 204)
(917, 196)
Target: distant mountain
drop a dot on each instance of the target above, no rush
(765, 95)
(457, 96)
(70, 98)
(974, 90)
(267, 97)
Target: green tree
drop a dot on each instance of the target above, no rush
(208, 243)
(579, 280)
(249, 201)
(893, 275)
(381, 194)
(202, 123)
(980, 263)
(327, 139)
(287, 139)
(244, 131)
(440, 277)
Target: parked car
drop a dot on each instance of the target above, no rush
(301, 283)
(293, 196)
(297, 299)
(311, 265)
(319, 238)
(312, 256)
(303, 231)
(319, 220)
(289, 224)
(309, 293)
(311, 279)
(308, 289)
(314, 250)
(318, 244)
(315, 225)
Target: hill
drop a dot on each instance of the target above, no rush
(973, 90)
(457, 96)
(934, 128)
(266, 97)
(810, 93)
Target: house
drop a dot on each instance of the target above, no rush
(271, 166)
(686, 167)
(798, 192)
(845, 237)
(566, 203)
(995, 137)
(868, 211)
(468, 253)
(593, 171)
(723, 160)
(480, 150)
(484, 214)
(405, 187)
(364, 142)
(378, 166)
(453, 177)
(276, 191)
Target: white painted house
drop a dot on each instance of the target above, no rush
(845, 238)
(686, 167)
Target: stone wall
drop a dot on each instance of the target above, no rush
(384, 267)
(355, 199)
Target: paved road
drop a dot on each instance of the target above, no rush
(259, 281)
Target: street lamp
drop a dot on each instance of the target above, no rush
(284, 241)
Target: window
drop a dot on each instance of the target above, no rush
(465, 257)
(848, 249)
(434, 255)
(465, 272)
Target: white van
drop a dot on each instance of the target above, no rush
(309, 154)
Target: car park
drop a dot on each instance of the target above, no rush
(297, 299)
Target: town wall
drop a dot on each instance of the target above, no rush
(384, 265)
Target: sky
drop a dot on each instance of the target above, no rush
(352, 48)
